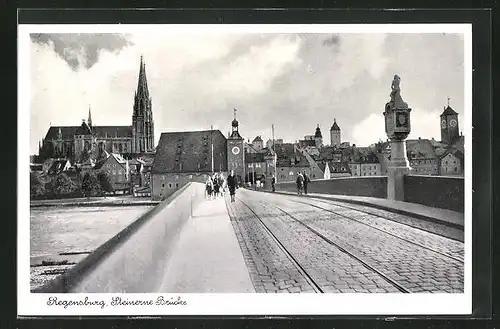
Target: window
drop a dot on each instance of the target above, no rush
(169, 185)
(176, 185)
(314, 176)
(456, 169)
(162, 185)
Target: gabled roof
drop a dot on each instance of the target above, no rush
(257, 139)
(84, 129)
(286, 156)
(190, 151)
(448, 111)
(58, 165)
(111, 157)
(457, 153)
(422, 148)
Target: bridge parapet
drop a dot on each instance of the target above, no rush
(433, 191)
(134, 260)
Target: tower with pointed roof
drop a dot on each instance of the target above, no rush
(236, 150)
(335, 134)
(142, 117)
(89, 121)
(449, 125)
(318, 137)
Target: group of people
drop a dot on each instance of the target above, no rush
(217, 185)
(302, 181)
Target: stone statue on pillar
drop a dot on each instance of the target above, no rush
(397, 127)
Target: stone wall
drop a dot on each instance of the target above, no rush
(359, 186)
(435, 191)
(432, 191)
(134, 260)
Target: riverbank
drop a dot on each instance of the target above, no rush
(108, 201)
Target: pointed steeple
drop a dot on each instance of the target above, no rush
(142, 83)
(59, 134)
(89, 121)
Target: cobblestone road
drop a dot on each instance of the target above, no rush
(417, 260)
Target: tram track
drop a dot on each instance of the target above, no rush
(330, 242)
(382, 230)
(437, 224)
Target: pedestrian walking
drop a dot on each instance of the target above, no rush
(300, 183)
(306, 181)
(273, 183)
(231, 184)
(209, 188)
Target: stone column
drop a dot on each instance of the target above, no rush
(396, 170)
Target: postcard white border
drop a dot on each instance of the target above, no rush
(29, 304)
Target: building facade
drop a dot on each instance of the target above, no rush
(77, 143)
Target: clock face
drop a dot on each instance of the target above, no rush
(443, 124)
(453, 123)
(235, 150)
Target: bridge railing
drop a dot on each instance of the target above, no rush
(433, 191)
(134, 260)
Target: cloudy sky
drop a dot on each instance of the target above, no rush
(294, 81)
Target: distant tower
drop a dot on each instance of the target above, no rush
(335, 134)
(89, 121)
(235, 150)
(449, 125)
(142, 118)
(318, 137)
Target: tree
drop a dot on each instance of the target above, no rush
(105, 182)
(90, 185)
(62, 185)
(37, 187)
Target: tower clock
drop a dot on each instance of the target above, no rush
(235, 153)
(449, 125)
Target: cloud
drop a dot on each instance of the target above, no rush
(294, 81)
(81, 50)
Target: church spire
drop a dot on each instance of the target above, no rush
(89, 121)
(142, 84)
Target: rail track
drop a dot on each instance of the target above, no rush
(381, 230)
(302, 270)
(439, 227)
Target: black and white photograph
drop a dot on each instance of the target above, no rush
(189, 169)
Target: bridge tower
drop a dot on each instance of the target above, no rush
(236, 151)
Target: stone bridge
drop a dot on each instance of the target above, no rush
(342, 237)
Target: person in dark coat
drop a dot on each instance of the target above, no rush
(306, 182)
(231, 184)
(300, 183)
(273, 183)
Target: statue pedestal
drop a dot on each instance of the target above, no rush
(396, 170)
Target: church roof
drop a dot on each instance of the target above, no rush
(67, 132)
(112, 131)
(100, 131)
(448, 111)
(190, 151)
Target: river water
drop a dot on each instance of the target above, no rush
(73, 230)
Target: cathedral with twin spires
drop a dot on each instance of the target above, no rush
(79, 143)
